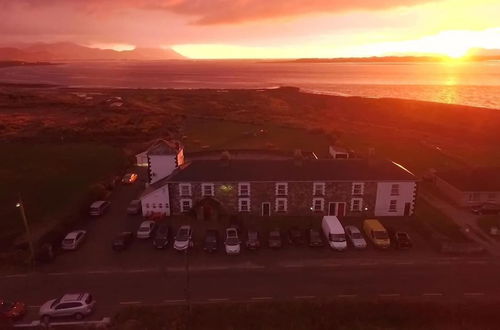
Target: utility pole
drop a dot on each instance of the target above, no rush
(20, 206)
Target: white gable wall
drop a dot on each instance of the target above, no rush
(157, 201)
(142, 159)
(383, 199)
(161, 166)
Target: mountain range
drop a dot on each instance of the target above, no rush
(70, 51)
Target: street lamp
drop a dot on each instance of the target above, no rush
(20, 206)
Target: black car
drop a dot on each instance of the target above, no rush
(274, 239)
(161, 237)
(399, 239)
(315, 239)
(295, 236)
(487, 208)
(123, 241)
(253, 241)
(211, 241)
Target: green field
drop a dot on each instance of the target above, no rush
(52, 179)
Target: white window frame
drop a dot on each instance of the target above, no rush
(322, 205)
(189, 188)
(277, 188)
(393, 205)
(212, 189)
(285, 204)
(243, 184)
(360, 204)
(240, 208)
(362, 188)
(321, 189)
(395, 189)
(189, 200)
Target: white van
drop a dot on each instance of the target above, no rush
(99, 208)
(334, 232)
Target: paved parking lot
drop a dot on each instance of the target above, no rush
(96, 253)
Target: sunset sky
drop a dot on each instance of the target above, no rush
(259, 28)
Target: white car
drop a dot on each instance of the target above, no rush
(355, 237)
(73, 240)
(232, 242)
(146, 229)
(184, 238)
(77, 305)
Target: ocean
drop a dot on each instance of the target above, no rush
(475, 84)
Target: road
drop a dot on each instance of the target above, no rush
(439, 279)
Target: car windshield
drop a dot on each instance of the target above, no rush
(337, 237)
(68, 241)
(55, 302)
(402, 235)
(6, 306)
(144, 228)
(232, 241)
(356, 235)
(314, 234)
(380, 234)
(252, 235)
(182, 235)
(210, 238)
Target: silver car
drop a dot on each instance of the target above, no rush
(77, 305)
(355, 237)
(73, 240)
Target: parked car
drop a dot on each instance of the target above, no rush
(315, 238)
(162, 236)
(274, 239)
(334, 232)
(146, 229)
(184, 238)
(355, 237)
(232, 241)
(376, 233)
(129, 178)
(77, 305)
(123, 241)
(98, 208)
(399, 239)
(295, 236)
(253, 241)
(134, 207)
(73, 240)
(211, 241)
(487, 208)
(11, 310)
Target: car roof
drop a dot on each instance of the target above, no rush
(353, 229)
(97, 203)
(73, 297)
(73, 234)
(185, 227)
(147, 223)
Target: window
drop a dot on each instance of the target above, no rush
(318, 188)
(474, 197)
(281, 189)
(393, 205)
(281, 205)
(244, 189)
(154, 205)
(186, 204)
(358, 188)
(492, 197)
(160, 206)
(147, 205)
(318, 204)
(207, 189)
(356, 204)
(244, 204)
(185, 189)
(395, 190)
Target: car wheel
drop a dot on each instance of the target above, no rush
(46, 319)
(78, 316)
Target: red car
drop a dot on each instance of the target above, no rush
(10, 310)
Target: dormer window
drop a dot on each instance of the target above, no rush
(281, 189)
(358, 188)
(207, 189)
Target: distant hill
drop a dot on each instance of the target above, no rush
(70, 51)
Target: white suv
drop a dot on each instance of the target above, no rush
(232, 242)
(77, 305)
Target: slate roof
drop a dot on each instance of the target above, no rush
(475, 179)
(288, 170)
(163, 147)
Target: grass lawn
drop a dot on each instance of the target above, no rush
(221, 134)
(53, 179)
